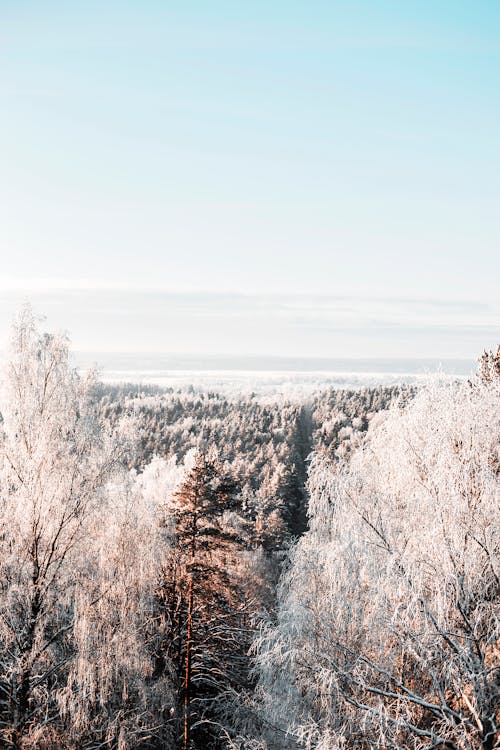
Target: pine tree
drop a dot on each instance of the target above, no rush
(203, 596)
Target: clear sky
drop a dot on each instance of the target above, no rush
(262, 177)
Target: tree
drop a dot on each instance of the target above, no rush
(75, 667)
(53, 467)
(204, 597)
(489, 366)
(388, 630)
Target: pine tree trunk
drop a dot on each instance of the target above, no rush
(187, 675)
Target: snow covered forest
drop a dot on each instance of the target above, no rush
(189, 570)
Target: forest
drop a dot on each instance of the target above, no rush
(189, 570)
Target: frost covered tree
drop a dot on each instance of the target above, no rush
(115, 693)
(489, 366)
(205, 597)
(53, 468)
(74, 662)
(388, 631)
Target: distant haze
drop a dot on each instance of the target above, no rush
(156, 364)
(299, 326)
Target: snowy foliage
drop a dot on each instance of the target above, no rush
(79, 556)
(388, 625)
(142, 536)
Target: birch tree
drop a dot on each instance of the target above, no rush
(388, 629)
(53, 467)
(77, 564)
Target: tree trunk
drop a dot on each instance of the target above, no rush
(187, 675)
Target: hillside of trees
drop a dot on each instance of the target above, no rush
(189, 570)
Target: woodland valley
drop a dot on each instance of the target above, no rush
(189, 570)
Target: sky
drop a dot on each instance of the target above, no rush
(289, 178)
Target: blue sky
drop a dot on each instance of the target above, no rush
(260, 150)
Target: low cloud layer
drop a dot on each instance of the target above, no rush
(134, 320)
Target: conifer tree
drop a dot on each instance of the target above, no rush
(204, 596)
